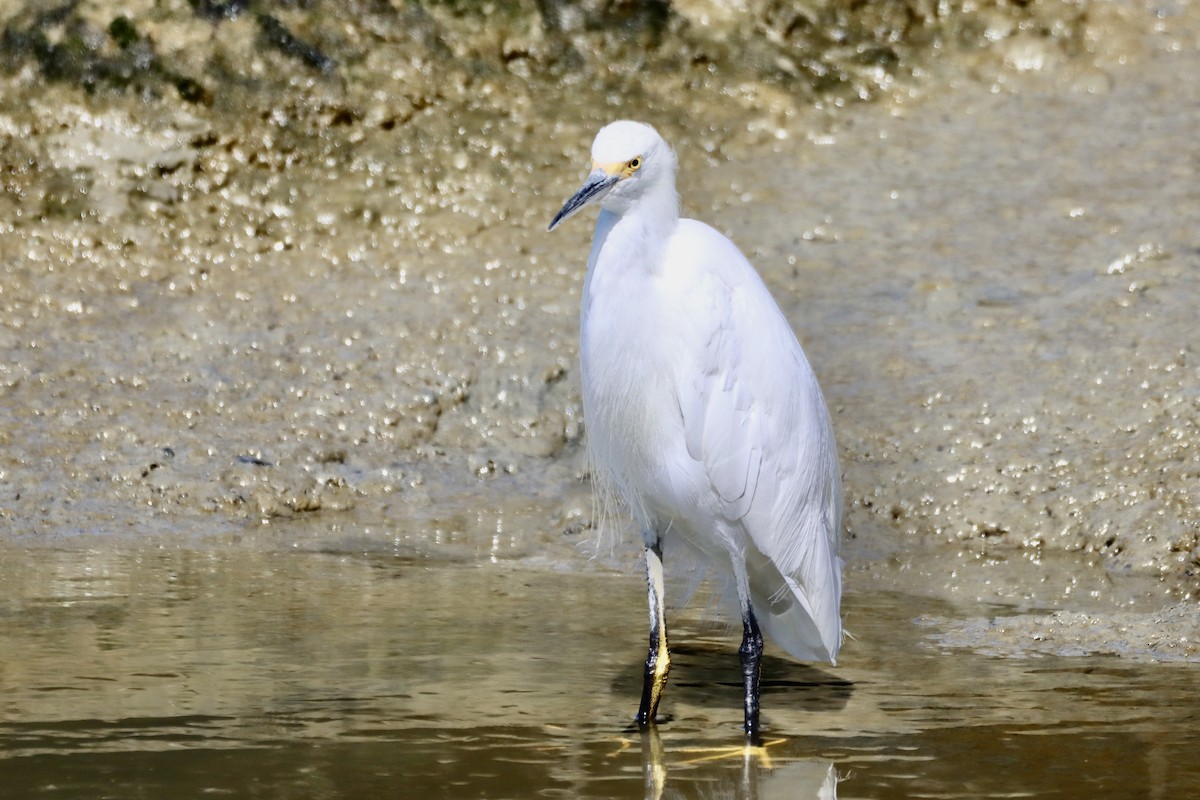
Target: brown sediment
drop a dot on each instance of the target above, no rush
(315, 285)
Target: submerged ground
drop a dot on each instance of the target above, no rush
(277, 281)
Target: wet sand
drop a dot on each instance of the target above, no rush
(319, 368)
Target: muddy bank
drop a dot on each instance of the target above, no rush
(1171, 634)
(318, 296)
(228, 54)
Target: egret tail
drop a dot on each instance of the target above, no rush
(792, 617)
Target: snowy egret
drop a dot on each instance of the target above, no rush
(703, 411)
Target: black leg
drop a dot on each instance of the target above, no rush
(751, 656)
(658, 660)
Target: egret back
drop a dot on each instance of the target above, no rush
(703, 409)
(756, 423)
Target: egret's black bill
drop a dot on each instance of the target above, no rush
(595, 187)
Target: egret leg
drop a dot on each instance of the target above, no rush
(654, 763)
(751, 655)
(658, 660)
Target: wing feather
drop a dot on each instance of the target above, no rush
(760, 430)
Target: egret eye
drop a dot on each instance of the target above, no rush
(635, 164)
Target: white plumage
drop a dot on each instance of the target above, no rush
(703, 410)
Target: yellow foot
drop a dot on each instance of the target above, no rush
(746, 752)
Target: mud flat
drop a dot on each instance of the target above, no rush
(283, 275)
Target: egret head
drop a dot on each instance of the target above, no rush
(629, 161)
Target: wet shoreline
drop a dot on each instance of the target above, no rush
(240, 322)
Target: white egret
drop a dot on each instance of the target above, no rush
(703, 411)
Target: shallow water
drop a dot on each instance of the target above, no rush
(259, 668)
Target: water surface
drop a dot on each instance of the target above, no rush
(260, 669)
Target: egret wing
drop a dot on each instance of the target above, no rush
(754, 418)
(719, 414)
(733, 393)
